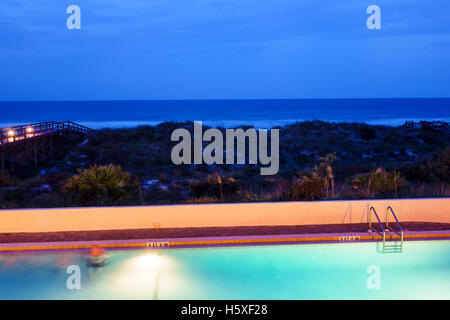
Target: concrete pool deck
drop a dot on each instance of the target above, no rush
(226, 240)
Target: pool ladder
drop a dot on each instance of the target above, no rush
(387, 248)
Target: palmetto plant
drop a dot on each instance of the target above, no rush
(103, 185)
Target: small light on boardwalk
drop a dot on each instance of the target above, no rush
(29, 132)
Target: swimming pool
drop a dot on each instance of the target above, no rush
(308, 271)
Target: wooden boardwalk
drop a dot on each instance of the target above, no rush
(35, 141)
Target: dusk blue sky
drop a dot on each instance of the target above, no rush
(223, 49)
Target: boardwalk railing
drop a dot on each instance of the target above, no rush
(20, 133)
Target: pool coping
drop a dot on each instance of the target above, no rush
(193, 242)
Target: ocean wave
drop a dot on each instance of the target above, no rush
(261, 123)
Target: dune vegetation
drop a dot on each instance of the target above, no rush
(318, 161)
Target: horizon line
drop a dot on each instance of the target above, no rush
(224, 99)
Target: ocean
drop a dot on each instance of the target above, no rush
(225, 113)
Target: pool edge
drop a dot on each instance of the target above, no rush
(171, 243)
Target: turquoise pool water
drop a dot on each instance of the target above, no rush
(315, 271)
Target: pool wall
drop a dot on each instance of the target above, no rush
(220, 215)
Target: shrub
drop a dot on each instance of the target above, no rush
(249, 196)
(367, 133)
(378, 183)
(325, 171)
(46, 200)
(103, 185)
(440, 166)
(5, 179)
(214, 186)
(435, 169)
(204, 200)
(309, 188)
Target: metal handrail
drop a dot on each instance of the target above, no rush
(379, 222)
(398, 223)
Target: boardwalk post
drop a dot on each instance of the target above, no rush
(3, 158)
(14, 157)
(35, 154)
